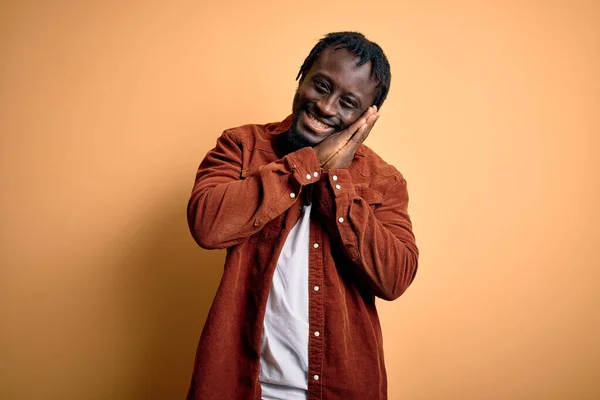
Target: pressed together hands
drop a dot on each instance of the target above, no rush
(337, 151)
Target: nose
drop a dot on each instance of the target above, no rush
(326, 106)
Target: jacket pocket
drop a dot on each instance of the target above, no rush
(270, 231)
(372, 197)
(248, 172)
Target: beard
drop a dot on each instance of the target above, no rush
(292, 140)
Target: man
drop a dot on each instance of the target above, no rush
(316, 226)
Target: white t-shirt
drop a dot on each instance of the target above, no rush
(284, 344)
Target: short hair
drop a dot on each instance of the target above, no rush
(361, 47)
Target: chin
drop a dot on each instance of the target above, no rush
(294, 139)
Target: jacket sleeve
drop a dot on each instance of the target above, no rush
(379, 242)
(225, 208)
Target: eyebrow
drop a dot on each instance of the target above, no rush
(351, 94)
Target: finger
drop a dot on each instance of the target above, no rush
(361, 134)
(370, 121)
(360, 121)
(343, 138)
(347, 133)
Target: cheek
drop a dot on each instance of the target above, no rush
(306, 92)
(351, 117)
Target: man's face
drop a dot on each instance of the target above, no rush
(333, 94)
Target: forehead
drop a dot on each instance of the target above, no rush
(340, 66)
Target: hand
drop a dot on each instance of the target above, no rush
(337, 151)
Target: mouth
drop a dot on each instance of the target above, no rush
(316, 125)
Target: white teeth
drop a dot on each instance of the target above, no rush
(316, 122)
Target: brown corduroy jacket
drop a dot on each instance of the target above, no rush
(246, 198)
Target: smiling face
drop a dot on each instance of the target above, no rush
(334, 93)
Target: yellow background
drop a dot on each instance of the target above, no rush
(107, 108)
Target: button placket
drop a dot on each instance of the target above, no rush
(316, 308)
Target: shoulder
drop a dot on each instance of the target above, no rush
(256, 134)
(246, 133)
(369, 163)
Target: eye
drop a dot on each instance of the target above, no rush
(348, 103)
(321, 87)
